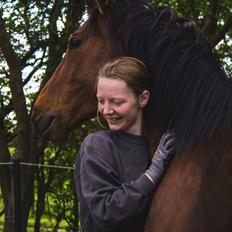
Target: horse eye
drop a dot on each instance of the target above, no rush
(74, 43)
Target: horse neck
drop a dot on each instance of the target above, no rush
(189, 91)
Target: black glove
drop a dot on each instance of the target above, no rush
(162, 157)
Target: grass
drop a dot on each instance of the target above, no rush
(44, 227)
(46, 224)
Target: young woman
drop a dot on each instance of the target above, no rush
(114, 175)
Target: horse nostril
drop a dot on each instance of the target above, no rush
(43, 122)
(51, 118)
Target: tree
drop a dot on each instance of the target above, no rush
(33, 39)
(29, 37)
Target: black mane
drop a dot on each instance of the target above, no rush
(190, 93)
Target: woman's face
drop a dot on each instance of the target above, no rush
(120, 106)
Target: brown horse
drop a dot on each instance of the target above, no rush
(190, 94)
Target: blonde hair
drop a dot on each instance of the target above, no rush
(129, 69)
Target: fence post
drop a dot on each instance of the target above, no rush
(17, 195)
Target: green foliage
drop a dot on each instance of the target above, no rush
(224, 50)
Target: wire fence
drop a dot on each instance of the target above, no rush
(38, 165)
(16, 171)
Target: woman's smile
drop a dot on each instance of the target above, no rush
(113, 120)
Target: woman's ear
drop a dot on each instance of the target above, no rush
(144, 98)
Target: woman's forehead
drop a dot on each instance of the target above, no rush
(113, 87)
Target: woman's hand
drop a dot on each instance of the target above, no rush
(162, 157)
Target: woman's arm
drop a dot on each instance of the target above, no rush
(111, 204)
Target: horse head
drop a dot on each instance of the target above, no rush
(68, 98)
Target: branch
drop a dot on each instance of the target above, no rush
(55, 13)
(16, 86)
(2, 212)
(211, 20)
(222, 32)
(74, 14)
(193, 8)
(4, 151)
(28, 55)
(5, 110)
(35, 69)
(54, 47)
(11, 57)
(54, 51)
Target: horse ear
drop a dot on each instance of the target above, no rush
(103, 5)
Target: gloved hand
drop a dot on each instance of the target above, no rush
(162, 157)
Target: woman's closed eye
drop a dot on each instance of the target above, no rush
(117, 102)
(100, 101)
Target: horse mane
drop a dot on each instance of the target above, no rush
(190, 93)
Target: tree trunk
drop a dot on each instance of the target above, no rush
(6, 181)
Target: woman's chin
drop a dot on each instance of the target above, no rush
(115, 127)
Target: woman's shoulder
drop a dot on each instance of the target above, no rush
(98, 140)
(98, 136)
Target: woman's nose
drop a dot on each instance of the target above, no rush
(107, 109)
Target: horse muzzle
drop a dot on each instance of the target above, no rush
(48, 125)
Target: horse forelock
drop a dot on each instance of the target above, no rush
(190, 93)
